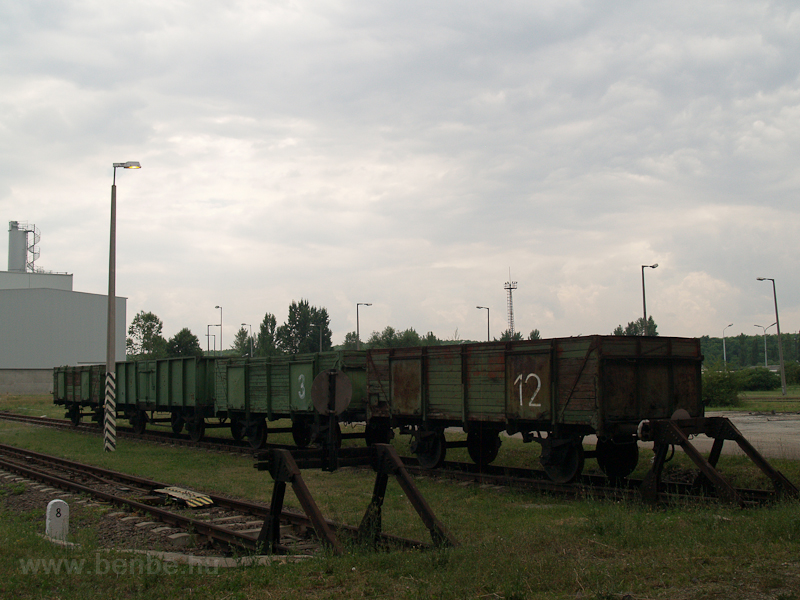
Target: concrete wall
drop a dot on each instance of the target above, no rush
(26, 381)
(46, 328)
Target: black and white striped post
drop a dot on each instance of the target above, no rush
(110, 404)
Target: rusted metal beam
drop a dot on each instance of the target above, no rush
(284, 470)
(387, 459)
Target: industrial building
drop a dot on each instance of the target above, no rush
(44, 323)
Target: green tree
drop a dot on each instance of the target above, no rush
(507, 336)
(720, 387)
(144, 337)
(303, 328)
(184, 343)
(535, 335)
(635, 327)
(242, 343)
(431, 340)
(349, 341)
(265, 340)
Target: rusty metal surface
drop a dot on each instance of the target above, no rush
(322, 388)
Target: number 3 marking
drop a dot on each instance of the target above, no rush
(519, 381)
(302, 391)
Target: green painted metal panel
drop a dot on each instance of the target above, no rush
(301, 376)
(237, 387)
(258, 376)
(180, 380)
(86, 381)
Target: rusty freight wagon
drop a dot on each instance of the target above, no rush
(553, 392)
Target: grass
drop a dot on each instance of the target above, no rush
(514, 544)
(770, 401)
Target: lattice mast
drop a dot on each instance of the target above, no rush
(510, 285)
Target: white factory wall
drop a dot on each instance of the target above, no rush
(16, 281)
(45, 328)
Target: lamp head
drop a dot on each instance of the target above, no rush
(131, 164)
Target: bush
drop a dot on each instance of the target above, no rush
(720, 388)
(792, 373)
(758, 379)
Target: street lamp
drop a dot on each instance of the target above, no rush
(778, 327)
(208, 338)
(358, 331)
(320, 335)
(251, 337)
(765, 341)
(220, 328)
(215, 340)
(724, 355)
(110, 405)
(488, 339)
(644, 301)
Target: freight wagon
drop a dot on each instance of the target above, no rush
(553, 392)
(198, 393)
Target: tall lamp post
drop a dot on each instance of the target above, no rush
(220, 328)
(488, 339)
(320, 335)
(765, 341)
(110, 405)
(644, 300)
(724, 354)
(251, 337)
(778, 327)
(208, 338)
(358, 331)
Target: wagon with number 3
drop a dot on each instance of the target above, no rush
(554, 392)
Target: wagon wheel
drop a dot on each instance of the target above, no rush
(197, 429)
(176, 422)
(257, 433)
(377, 433)
(237, 429)
(139, 422)
(568, 463)
(617, 460)
(301, 433)
(483, 445)
(74, 415)
(430, 448)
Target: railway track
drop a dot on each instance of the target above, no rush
(225, 522)
(595, 486)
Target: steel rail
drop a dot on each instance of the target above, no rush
(586, 486)
(252, 508)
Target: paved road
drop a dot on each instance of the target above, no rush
(773, 435)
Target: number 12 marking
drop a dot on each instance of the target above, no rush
(520, 381)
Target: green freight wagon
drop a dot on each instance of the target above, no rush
(553, 392)
(78, 388)
(250, 392)
(180, 387)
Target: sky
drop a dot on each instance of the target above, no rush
(415, 156)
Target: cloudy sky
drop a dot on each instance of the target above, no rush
(408, 154)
